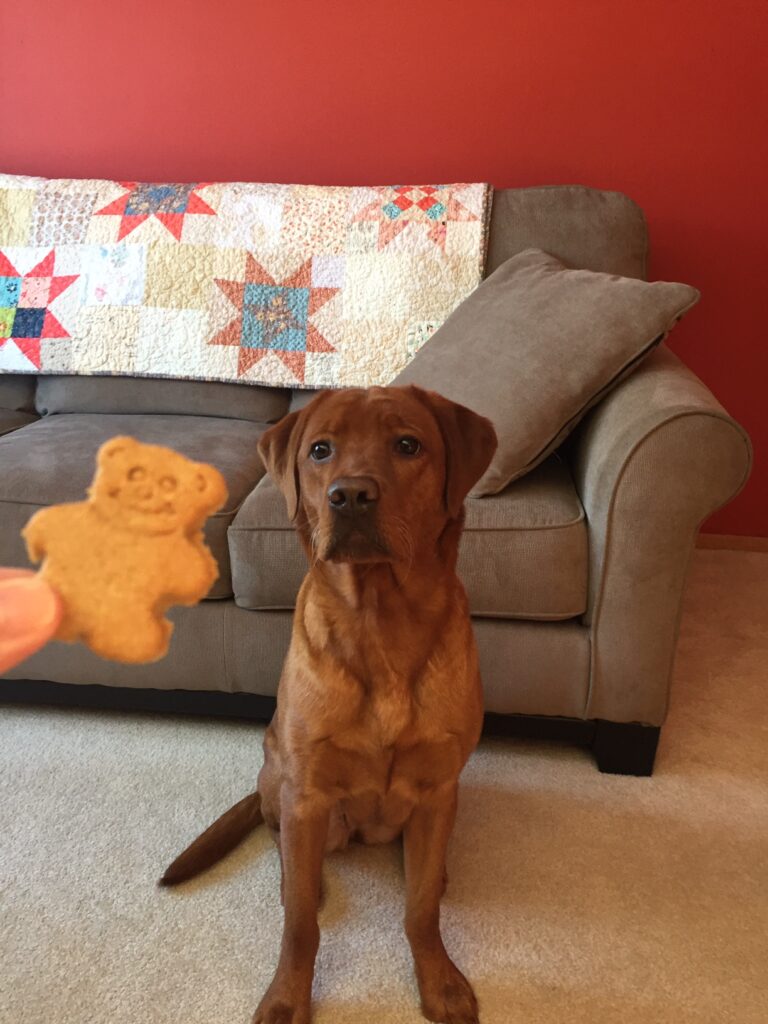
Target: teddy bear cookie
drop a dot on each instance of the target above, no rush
(135, 547)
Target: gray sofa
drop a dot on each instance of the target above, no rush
(574, 573)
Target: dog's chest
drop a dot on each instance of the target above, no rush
(395, 700)
(378, 789)
(391, 756)
(402, 708)
(387, 713)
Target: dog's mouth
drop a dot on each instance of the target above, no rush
(356, 542)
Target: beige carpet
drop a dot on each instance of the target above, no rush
(574, 897)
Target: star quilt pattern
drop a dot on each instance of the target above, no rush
(284, 285)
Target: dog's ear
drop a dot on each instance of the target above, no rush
(470, 442)
(278, 448)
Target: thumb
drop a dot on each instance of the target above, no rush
(30, 611)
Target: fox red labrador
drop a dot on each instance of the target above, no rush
(379, 705)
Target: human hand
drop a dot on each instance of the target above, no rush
(30, 612)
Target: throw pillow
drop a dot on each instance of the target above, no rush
(536, 345)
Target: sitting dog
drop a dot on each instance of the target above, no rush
(379, 704)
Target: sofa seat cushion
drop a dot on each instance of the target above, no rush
(53, 460)
(523, 553)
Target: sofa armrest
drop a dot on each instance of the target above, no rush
(656, 457)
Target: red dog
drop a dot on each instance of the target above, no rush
(379, 704)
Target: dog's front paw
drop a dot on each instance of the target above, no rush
(447, 997)
(282, 1008)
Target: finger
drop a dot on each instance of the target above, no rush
(30, 611)
(10, 573)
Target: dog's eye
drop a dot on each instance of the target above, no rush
(408, 446)
(320, 451)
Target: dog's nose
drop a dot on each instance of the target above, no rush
(352, 495)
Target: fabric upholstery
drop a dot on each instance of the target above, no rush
(53, 461)
(196, 659)
(301, 397)
(536, 345)
(533, 668)
(143, 395)
(17, 392)
(523, 553)
(527, 668)
(651, 462)
(12, 419)
(583, 227)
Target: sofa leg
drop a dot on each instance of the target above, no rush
(625, 748)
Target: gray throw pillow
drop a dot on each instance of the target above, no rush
(536, 345)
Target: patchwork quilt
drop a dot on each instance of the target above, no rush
(286, 285)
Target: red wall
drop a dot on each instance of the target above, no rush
(662, 99)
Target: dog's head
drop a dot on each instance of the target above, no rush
(375, 474)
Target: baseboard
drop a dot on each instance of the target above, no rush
(731, 542)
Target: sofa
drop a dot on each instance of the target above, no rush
(574, 572)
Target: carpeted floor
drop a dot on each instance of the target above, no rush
(574, 897)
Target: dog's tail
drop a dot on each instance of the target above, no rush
(217, 840)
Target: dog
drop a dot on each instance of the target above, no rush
(379, 704)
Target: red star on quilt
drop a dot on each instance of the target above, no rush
(24, 315)
(274, 318)
(170, 204)
(397, 206)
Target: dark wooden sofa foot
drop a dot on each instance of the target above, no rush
(625, 748)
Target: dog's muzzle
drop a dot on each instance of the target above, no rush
(354, 501)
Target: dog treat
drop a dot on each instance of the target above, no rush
(135, 547)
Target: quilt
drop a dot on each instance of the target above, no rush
(285, 285)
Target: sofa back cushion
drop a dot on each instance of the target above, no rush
(584, 227)
(62, 394)
(17, 392)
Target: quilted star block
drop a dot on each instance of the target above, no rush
(25, 318)
(434, 207)
(170, 204)
(274, 318)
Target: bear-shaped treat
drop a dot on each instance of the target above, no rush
(119, 559)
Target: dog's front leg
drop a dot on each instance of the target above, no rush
(303, 832)
(446, 995)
